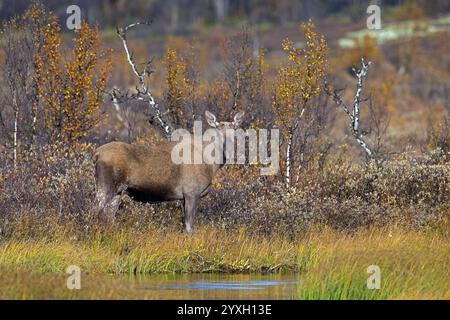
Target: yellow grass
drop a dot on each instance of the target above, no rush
(414, 264)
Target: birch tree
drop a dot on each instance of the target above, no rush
(19, 98)
(353, 111)
(299, 80)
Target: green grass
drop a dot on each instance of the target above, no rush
(414, 264)
(123, 251)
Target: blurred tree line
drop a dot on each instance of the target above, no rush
(178, 16)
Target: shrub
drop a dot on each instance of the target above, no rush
(56, 187)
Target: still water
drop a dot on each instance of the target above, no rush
(15, 284)
(215, 286)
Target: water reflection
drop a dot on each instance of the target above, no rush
(218, 286)
(37, 285)
(246, 285)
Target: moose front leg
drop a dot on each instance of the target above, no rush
(190, 206)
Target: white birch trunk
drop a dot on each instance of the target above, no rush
(354, 114)
(16, 120)
(16, 129)
(288, 160)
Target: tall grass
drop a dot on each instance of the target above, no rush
(414, 264)
(128, 251)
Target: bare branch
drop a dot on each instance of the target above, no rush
(354, 114)
(143, 93)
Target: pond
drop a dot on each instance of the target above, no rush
(219, 286)
(35, 285)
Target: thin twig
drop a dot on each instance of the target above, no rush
(143, 93)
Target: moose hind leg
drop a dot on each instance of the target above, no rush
(111, 208)
(190, 207)
(107, 194)
(107, 204)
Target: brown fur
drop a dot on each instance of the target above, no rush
(147, 173)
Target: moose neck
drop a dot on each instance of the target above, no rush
(221, 148)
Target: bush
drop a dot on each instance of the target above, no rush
(56, 188)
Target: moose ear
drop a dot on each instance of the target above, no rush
(211, 119)
(238, 118)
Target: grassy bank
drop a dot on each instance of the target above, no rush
(132, 252)
(413, 265)
(333, 265)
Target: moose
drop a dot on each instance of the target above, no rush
(147, 173)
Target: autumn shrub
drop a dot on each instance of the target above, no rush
(399, 182)
(413, 192)
(56, 188)
(439, 137)
(52, 90)
(71, 89)
(297, 111)
(293, 213)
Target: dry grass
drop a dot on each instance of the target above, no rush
(414, 264)
(127, 251)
